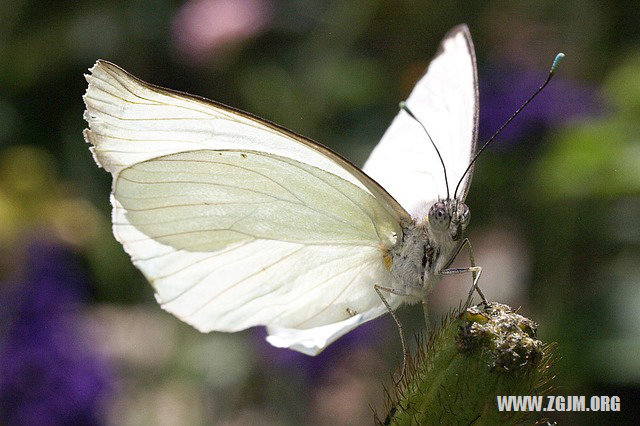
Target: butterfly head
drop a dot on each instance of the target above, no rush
(449, 216)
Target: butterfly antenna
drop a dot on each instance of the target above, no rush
(405, 108)
(554, 67)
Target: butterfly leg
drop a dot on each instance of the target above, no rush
(475, 276)
(405, 351)
(475, 273)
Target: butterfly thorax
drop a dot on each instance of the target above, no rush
(428, 246)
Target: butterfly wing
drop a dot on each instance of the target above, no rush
(235, 221)
(310, 340)
(445, 100)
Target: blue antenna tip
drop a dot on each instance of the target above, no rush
(556, 62)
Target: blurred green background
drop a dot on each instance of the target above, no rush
(555, 203)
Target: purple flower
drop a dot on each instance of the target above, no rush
(504, 90)
(48, 372)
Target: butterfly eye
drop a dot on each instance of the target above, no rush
(439, 217)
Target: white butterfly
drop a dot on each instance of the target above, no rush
(237, 222)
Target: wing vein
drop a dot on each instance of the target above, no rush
(288, 302)
(330, 303)
(264, 268)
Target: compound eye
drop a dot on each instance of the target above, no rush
(439, 217)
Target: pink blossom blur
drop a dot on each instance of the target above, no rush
(203, 27)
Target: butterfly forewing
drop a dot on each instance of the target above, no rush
(131, 121)
(445, 100)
